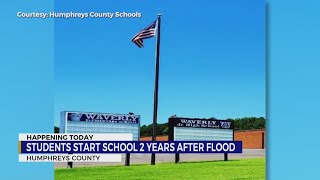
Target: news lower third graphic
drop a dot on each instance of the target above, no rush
(107, 147)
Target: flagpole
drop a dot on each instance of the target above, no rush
(156, 86)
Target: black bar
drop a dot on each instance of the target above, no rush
(70, 164)
(233, 134)
(177, 158)
(171, 131)
(156, 86)
(262, 140)
(127, 161)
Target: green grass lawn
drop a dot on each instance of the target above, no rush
(233, 169)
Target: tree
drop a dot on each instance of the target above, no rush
(249, 123)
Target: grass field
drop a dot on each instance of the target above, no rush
(233, 169)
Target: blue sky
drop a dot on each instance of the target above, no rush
(212, 59)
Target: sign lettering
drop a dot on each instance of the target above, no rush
(202, 123)
(107, 118)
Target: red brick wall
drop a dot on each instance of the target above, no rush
(251, 139)
(159, 138)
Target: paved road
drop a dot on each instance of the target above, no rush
(145, 158)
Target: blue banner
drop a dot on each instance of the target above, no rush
(45, 147)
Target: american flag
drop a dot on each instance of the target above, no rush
(146, 33)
